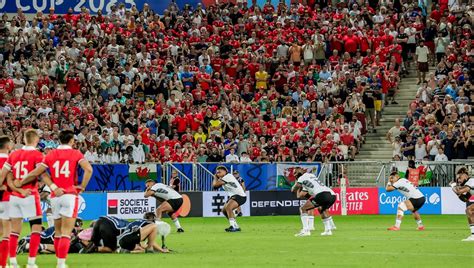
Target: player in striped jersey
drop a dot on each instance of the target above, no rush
(104, 234)
(171, 201)
(236, 193)
(5, 145)
(141, 230)
(415, 200)
(464, 188)
(322, 198)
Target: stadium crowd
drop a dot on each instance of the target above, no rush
(439, 121)
(234, 82)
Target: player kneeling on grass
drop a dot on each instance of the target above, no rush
(224, 179)
(321, 198)
(464, 188)
(171, 201)
(415, 200)
(104, 234)
(138, 231)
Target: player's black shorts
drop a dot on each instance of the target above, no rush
(324, 200)
(469, 203)
(175, 203)
(130, 240)
(417, 203)
(239, 199)
(105, 231)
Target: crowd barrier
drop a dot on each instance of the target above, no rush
(366, 201)
(268, 176)
(193, 176)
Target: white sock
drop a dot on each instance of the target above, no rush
(31, 260)
(61, 263)
(177, 224)
(472, 228)
(50, 219)
(331, 223)
(398, 223)
(327, 225)
(311, 222)
(233, 223)
(304, 221)
(419, 223)
(13, 260)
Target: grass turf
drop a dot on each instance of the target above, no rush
(270, 242)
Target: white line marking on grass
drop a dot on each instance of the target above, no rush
(417, 254)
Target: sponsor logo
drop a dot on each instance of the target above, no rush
(218, 202)
(391, 200)
(112, 206)
(434, 199)
(277, 203)
(82, 205)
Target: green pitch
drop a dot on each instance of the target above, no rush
(359, 241)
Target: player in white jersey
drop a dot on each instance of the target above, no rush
(321, 198)
(414, 200)
(171, 201)
(236, 193)
(464, 188)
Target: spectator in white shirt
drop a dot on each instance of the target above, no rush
(420, 150)
(232, 157)
(441, 156)
(244, 158)
(138, 153)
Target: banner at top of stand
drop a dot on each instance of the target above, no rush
(62, 6)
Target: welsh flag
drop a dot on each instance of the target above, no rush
(142, 172)
(286, 173)
(424, 171)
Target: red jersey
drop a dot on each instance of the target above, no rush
(62, 163)
(21, 163)
(4, 195)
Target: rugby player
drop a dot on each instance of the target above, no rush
(104, 234)
(171, 201)
(62, 163)
(415, 200)
(234, 190)
(24, 200)
(47, 240)
(464, 188)
(5, 145)
(45, 194)
(321, 198)
(138, 231)
(242, 183)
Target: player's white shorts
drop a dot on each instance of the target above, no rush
(65, 206)
(4, 215)
(27, 207)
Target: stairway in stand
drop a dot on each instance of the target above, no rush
(376, 147)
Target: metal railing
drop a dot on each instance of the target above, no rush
(359, 173)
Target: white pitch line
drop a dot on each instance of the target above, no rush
(417, 254)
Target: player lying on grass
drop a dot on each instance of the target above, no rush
(104, 234)
(464, 188)
(47, 241)
(321, 197)
(171, 201)
(234, 189)
(138, 231)
(415, 200)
